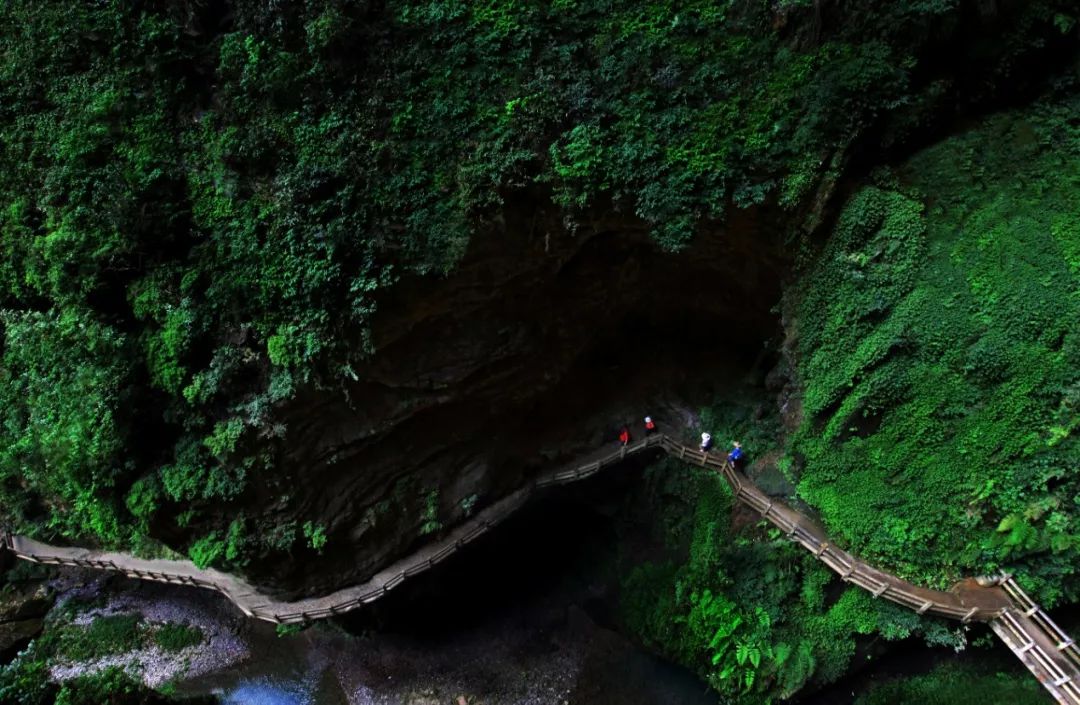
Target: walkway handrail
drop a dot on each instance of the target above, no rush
(800, 529)
(795, 526)
(1063, 642)
(1043, 646)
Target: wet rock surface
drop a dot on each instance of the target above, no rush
(548, 653)
(14, 636)
(23, 606)
(531, 630)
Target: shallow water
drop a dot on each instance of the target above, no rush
(281, 671)
(266, 693)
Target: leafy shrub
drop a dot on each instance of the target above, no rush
(64, 377)
(430, 517)
(25, 681)
(315, 535)
(111, 686)
(177, 637)
(114, 634)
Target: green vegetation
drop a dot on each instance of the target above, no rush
(177, 637)
(756, 616)
(117, 634)
(939, 349)
(315, 535)
(284, 631)
(431, 523)
(111, 685)
(200, 204)
(104, 636)
(940, 352)
(956, 685)
(468, 504)
(25, 681)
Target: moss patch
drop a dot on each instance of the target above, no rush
(177, 637)
(104, 636)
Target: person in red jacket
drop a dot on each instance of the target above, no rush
(650, 426)
(624, 435)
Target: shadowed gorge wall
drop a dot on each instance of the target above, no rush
(518, 360)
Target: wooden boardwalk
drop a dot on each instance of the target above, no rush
(1039, 643)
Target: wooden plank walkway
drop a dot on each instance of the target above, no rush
(1039, 643)
(260, 606)
(1047, 651)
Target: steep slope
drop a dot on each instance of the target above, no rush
(939, 348)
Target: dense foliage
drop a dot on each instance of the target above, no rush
(938, 344)
(755, 615)
(200, 202)
(177, 637)
(26, 683)
(940, 351)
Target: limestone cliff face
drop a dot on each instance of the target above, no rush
(540, 343)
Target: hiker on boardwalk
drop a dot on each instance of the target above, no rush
(624, 436)
(650, 426)
(706, 442)
(735, 455)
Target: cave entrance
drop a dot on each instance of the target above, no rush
(569, 545)
(665, 334)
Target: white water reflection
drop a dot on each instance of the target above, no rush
(265, 692)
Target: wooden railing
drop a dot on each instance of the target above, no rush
(800, 529)
(255, 604)
(1047, 651)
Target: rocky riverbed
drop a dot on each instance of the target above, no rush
(548, 650)
(221, 647)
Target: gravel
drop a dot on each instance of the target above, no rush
(222, 645)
